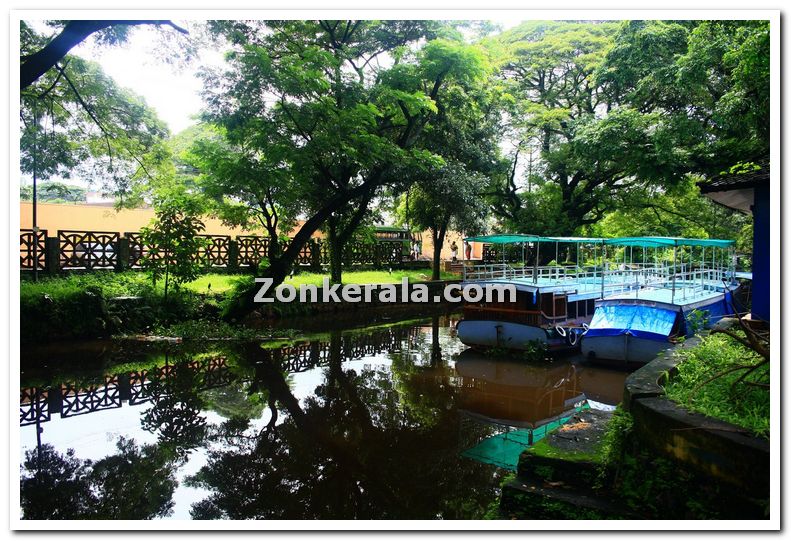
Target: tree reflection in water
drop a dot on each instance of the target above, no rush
(370, 441)
(369, 444)
(136, 483)
(176, 405)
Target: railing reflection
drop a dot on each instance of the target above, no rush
(38, 404)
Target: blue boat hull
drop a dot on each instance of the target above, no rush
(640, 347)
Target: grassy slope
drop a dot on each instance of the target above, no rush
(738, 403)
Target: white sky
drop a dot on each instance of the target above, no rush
(174, 93)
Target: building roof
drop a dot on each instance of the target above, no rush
(736, 190)
(736, 181)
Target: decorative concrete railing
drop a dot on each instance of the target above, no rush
(103, 250)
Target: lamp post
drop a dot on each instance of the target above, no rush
(35, 199)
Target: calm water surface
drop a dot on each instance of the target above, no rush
(364, 423)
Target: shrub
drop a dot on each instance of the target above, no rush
(78, 306)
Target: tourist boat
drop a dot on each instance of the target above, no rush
(553, 304)
(695, 292)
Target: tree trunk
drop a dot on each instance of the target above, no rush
(336, 251)
(436, 350)
(438, 238)
(280, 266)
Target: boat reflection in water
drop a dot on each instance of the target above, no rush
(521, 403)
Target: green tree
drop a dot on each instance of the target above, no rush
(137, 483)
(53, 192)
(317, 99)
(245, 185)
(592, 147)
(628, 109)
(677, 212)
(75, 120)
(172, 241)
(709, 78)
(450, 199)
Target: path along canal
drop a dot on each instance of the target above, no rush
(365, 423)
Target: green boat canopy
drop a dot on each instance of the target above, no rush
(503, 239)
(514, 238)
(650, 242)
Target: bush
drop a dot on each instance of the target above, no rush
(79, 306)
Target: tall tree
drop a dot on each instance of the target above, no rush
(338, 104)
(619, 108)
(449, 199)
(591, 146)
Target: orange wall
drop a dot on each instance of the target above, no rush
(450, 236)
(58, 216)
(54, 216)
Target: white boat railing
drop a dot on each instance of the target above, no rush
(620, 278)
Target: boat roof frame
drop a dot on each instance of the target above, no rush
(648, 242)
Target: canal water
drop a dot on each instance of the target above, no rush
(383, 422)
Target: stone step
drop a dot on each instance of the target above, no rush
(524, 499)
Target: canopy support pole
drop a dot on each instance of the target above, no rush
(535, 265)
(673, 294)
(603, 266)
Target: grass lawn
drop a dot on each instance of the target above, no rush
(221, 283)
(128, 283)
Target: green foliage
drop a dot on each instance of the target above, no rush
(79, 122)
(543, 448)
(676, 212)
(202, 329)
(622, 114)
(448, 199)
(309, 121)
(614, 441)
(697, 320)
(535, 350)
(78, 306)
(52, 192)
(173, 241)
(740, 403)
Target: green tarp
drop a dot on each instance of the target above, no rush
(503, 450)
(648, 242)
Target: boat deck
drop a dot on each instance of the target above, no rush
(685, 294)
(577, 288)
